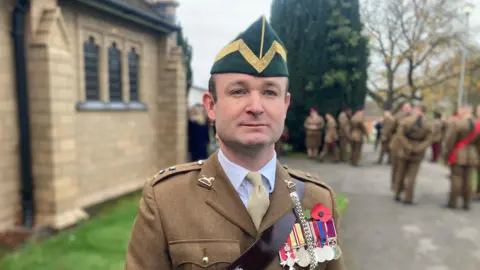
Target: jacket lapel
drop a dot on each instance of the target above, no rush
(223, 197)
(280, 201)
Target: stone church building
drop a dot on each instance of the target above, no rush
(92, 103)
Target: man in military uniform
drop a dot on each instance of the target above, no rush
(229, 211)
(344, 132)
(314, 125)
(477, 193)
(387, 130)
(414, 137)
(399, 116)
(449, 123)
(358, 132)
(439, 129)
(461, 143)
(331, 136)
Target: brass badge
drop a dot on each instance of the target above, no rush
(207, 181)
(290, 183)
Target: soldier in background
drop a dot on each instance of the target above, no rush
(314, 125)
(344, 132)
(399, 116)
(439, 129)
(461, 143)
(386, 136)
(414, 137)
(198, 133)
(357, 133)
(477, 193)
(378, 127)
(331, 137)
(449, 123)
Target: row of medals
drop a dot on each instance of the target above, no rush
(299, 255)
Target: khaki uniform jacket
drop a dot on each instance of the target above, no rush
(344, 125)
(358, 129)
(399, 116)
(313, 124)
(331, 134)
(459, 129)
(192, 211)
(439, 130)
(414, 137)
(388, 127)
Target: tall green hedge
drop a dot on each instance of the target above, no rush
(327, 57)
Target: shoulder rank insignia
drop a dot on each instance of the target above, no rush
(207, 181)
(173, 170)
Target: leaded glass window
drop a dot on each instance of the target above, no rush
(115, 73)
(133, 74)
(90, 54)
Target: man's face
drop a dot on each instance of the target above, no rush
(407, 108)
(467, 110)
(463, 111)
(417, 111)
(249, 111)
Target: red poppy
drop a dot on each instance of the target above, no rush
(320, 212)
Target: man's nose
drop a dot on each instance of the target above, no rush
(255, 105)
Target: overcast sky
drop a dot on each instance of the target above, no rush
(211, 24)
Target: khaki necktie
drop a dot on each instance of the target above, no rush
(258, 201)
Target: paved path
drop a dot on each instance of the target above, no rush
(379, 234)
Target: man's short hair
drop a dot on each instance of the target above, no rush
(212, 87)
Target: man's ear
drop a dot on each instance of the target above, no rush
(209, 105)
(287, 100)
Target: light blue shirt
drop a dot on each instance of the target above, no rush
(237, 176)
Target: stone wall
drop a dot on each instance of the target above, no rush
(52, 110)
(114, 147)
(9, 142)
(118, 150)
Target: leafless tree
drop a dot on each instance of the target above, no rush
(408, 38)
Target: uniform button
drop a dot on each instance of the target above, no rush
(200, 162)
(171, 168)
(205, 260)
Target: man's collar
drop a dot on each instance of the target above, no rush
(237, 174)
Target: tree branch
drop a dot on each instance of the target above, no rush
(379, 99)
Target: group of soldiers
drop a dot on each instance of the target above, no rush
(350, 130)
(406, 136)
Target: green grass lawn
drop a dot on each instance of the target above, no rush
(99, 243)
(342, 203)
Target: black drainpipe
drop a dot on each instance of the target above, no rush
(18, 34)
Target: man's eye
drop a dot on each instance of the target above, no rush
(270, 93)
(238, 92)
